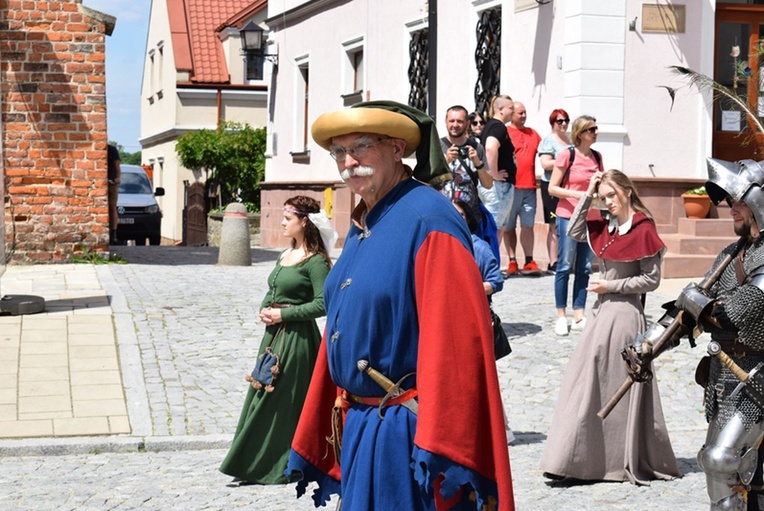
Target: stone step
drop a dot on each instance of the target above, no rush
(666, 229)
(682, 244)
(721, 227)
(686, 266)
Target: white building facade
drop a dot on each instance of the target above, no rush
(606, 58)
(195, 75)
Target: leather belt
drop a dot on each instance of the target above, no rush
(277, 305)
(344, 401)
(376, 401)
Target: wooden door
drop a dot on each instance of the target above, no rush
(739, 54)
(196, 216)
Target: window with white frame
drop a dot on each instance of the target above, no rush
(302, 103)
(353, 71)
(152, 71)
(255, 65)
(160, 87)
(488, 58)
(419, 65)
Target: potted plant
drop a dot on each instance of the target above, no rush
(697, 203)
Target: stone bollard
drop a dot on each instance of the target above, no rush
(234, 237)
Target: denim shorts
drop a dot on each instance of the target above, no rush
(524, 206)
(500, 208)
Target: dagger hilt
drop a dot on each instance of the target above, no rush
(715, 349)
(380, 379)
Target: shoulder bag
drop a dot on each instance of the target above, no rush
(267, 367)
(501, 347)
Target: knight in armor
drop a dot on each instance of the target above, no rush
(732, 310)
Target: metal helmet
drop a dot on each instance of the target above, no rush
(741, 181)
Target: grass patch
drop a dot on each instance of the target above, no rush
(89, 256)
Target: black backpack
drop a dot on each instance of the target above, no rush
(597, 158)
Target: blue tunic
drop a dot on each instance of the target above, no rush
(387, 301)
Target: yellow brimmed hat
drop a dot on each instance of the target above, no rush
(394, 120)
(366, 120)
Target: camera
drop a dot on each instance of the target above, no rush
(464, 152)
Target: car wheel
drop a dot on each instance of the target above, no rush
(155, 240)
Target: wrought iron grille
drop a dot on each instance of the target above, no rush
(487, 58)
(418, 67)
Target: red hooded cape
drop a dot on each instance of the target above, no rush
(640, 241)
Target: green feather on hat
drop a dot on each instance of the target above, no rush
(395, 120)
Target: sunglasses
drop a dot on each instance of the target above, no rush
(478, 123)
(593, 129)
(562, 121)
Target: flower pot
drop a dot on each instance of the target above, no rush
(696, 206)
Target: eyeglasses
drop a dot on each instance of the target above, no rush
(478, 123)
(357, 150)
(593, 129)
(562, 121)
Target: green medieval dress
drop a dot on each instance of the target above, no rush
(263, 437)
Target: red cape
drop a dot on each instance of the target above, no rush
(640, 241)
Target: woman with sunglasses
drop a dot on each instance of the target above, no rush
(548, 149)
(572, 172)
(477, 122)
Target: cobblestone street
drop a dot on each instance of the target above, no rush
(187, 333)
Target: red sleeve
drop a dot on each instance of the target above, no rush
(456, 367)
(315, 424)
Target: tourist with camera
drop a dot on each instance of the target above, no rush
(472, 181)
(466, 159)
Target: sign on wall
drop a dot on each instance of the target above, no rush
(663, 19)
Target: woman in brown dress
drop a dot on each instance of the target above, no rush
(632, 443)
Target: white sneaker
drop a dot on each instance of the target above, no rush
(561, 327)
(578, 325)
(510, 436)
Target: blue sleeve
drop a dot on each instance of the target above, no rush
(489, 266)
(547, 147)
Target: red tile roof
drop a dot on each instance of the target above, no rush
(195, 24)
(239, 18)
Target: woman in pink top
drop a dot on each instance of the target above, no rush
(569, 182)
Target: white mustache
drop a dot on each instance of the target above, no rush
(361, 171)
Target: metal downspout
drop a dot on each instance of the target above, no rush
(432, 58)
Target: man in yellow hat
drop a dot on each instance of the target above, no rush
(405, 389)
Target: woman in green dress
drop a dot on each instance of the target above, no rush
(294, 300)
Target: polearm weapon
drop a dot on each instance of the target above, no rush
(670, 332)
(752, 384)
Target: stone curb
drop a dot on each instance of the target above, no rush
(110, 444)
(131, 365)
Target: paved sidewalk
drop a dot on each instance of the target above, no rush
(60, 372)
(179, 332)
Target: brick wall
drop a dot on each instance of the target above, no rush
(53, 103)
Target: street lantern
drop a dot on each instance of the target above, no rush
(251, 38)
(252, 43)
